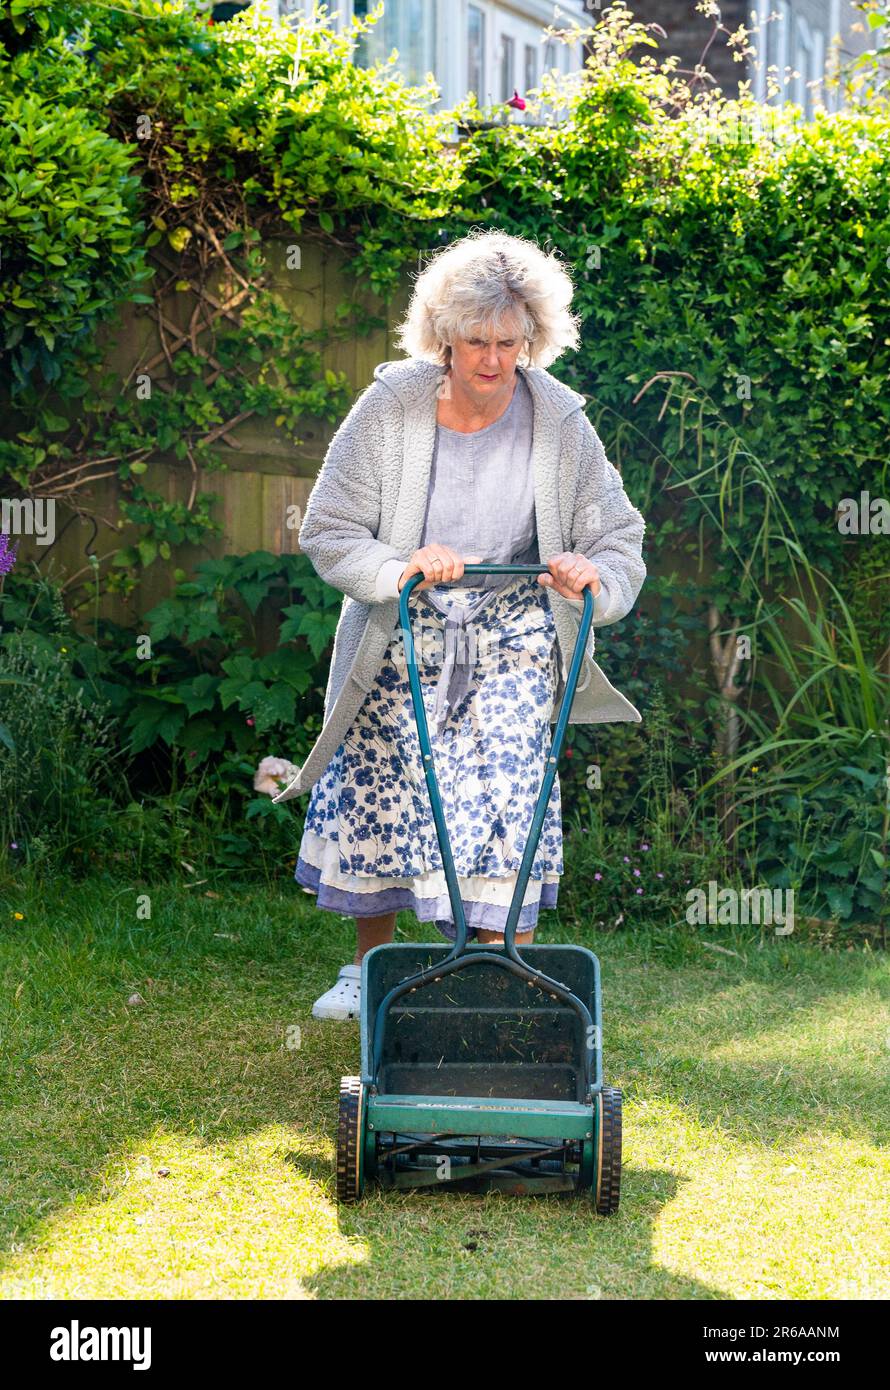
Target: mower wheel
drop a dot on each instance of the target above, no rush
(350, 1140)
(608, 1164)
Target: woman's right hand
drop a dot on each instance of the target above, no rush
(438, 564)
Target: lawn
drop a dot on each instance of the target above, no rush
(178, 1147)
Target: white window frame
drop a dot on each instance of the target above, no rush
(808, 61)
(778, 43)
(761, 58)
(832, 99)
(522, 20)
(507, 65)
(484, 66)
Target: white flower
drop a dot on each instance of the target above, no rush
(272, 774)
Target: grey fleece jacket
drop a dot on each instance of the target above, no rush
(367, 509)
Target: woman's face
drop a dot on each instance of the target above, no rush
(486, 362)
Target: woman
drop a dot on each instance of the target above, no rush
(469, 450)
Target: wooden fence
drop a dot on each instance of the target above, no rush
(267, 477)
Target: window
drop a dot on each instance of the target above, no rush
(777, 49)
(549, 55)
(531, 67)
(809, 63)
(410, 27)
(476, 52)
(508, 86)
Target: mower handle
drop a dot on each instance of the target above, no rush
(426, 751)
(509, 959)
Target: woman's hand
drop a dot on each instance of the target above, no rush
(570, 574)
(438, 564)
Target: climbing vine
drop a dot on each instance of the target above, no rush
(733, 280)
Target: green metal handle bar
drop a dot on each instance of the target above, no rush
(426, 752)
(510, 959)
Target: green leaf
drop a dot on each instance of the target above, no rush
(53, 423)
(316, 628)
(202, 737)
(199, 694)
(840, 900)
(253, 593)
(274, 706)
(154, 721)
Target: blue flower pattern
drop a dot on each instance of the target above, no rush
(369, 813)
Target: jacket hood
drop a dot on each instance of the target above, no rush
(415, 381)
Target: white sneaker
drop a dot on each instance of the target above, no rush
(344, 998)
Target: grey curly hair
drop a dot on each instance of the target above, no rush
(491, 280)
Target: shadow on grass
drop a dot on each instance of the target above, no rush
(495, 1246)
(92, 1079)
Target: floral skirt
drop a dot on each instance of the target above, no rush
(369, 842)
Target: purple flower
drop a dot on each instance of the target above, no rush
(7, 556)
(639, 890)
(644, 847)
(597, 877)
(659, 875)
(636, 873)
(626, 860)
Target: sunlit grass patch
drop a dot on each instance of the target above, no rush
(182, 1144)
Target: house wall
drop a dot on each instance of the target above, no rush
(688, 33)
(798, 41)
(434, 35)
(804, 43)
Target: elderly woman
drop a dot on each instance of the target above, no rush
(468, 450)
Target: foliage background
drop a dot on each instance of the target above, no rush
(734, 284)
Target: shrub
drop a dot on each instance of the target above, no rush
(58, 747)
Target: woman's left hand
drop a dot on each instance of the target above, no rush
(570, 574)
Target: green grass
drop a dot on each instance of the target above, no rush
(756, 1118)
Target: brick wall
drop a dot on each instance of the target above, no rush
(798, 39)
(688, 33)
